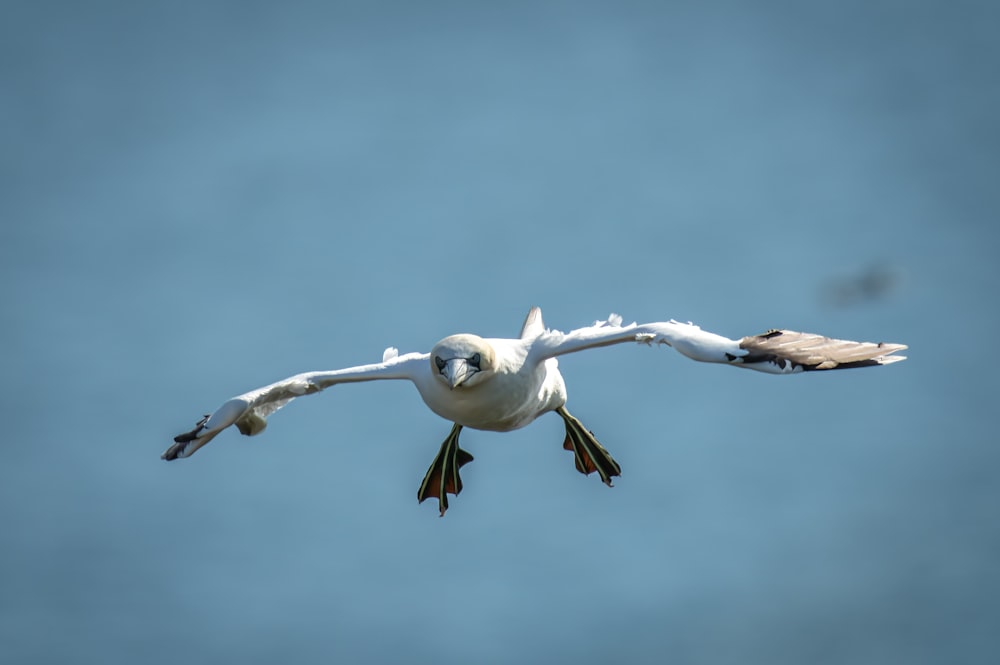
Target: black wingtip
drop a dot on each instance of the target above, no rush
(181, 441)
(173, 451)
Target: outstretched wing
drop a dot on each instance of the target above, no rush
(784, 351)
(249, 411)
(775, 352)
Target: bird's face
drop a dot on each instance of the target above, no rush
(462, 360)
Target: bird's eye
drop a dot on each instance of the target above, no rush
(475, 360)
(439, 362)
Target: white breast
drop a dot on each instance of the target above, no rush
(513, 397)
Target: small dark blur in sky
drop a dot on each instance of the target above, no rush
(200, 198)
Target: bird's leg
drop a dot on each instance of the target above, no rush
(589, 454)
(442, 477)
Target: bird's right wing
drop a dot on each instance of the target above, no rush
(249, 411)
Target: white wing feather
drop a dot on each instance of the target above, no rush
(774, 352)
(687, 338)
(250, 410)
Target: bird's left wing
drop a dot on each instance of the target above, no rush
(774, 352)
(249, 411)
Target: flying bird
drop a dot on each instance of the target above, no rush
(504, 384)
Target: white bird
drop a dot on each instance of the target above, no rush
(504, 384)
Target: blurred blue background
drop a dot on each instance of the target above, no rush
(201, 198)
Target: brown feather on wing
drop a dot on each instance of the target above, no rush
(815, 352)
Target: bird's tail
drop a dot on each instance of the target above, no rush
(533, 325)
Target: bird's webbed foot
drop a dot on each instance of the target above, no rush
(588, 453)
(442, 477)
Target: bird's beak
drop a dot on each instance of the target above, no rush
(457, 370)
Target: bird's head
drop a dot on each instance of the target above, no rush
(462, 360)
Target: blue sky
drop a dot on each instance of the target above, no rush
(198, 199)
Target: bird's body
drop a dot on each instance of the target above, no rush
(500, 384)
(518, 391)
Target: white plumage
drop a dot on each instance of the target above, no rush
(504, 384)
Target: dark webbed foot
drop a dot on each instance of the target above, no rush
(589, 454)
(442, 477)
